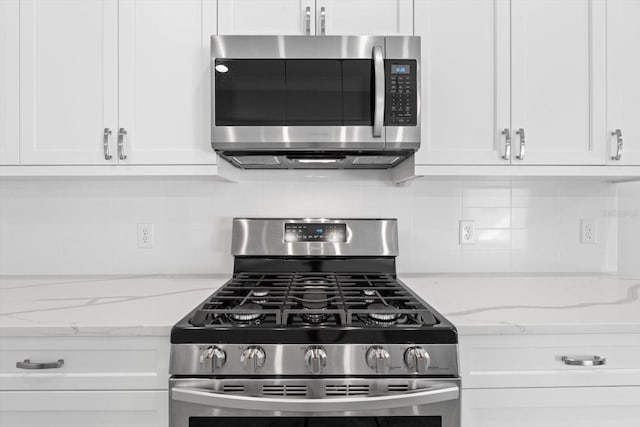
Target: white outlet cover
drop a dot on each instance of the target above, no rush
(588, 231)
(145, 235)
(467, 233)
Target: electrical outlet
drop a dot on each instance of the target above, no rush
(467, 232)
(145, 235)
(588, 231)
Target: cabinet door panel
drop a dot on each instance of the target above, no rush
(84, 408)
(164, 80)
(266, 17)
(68, 80)
(623, 84)
(465, 80)
(365, 17)
(557, 80)
(551, 407)
(9, 80)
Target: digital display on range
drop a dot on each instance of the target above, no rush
(400, 69)
(315, 232)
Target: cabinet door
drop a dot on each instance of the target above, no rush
(9, 80)
(164, 84)
(266, 17)
(623, 84)
(364, 17)
(558, 81)
(465, 80)
(551, 407)
(84, 408)
(68, 80)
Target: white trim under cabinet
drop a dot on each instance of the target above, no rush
(89, 363)
(9, 80)
(68, 80)
(558, 81)
(551, 407)
(142, 408)
(465, 81)
(164, 81)
(623, 83)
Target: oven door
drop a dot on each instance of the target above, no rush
(391, 402)
(298, 93)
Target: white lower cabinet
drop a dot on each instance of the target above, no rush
(84, 408)
(551, 407)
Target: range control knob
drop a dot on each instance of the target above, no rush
(378, 359)
(213, 356)
(417, 360)
(252, 359)
(315, 358)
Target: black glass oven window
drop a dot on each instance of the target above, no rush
(293, 92)
(316, 421)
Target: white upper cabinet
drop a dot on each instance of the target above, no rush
(364, 17)
(558, 81)
(465, 81)
(9, 80)
(623, 81)
(68, 80)
(266, 17)
(164, 85)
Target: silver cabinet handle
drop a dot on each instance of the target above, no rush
(378, 69)
(28, 364)
(105, 143)
(197, 396)
(121, 134)
(618, 134)
(307, 21)
(583, 360)
(323, 21)
(520, 133)
(507, 144)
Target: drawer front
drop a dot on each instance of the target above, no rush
(84, 408)
(536, 360)
(551, 407)
(107, 363)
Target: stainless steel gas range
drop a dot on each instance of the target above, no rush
(314, 329)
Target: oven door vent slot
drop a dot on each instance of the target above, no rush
(347, 389)
(284, 390)
(233, 388)
(397, 388)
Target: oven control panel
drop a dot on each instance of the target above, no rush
(401, 92)
(315, 232)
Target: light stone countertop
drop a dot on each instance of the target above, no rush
(478, 304)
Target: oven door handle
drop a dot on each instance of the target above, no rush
(378, 76)
(434, 394)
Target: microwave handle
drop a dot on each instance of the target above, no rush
(378, 112)
(427, 396)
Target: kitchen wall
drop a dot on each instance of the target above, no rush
(628, 216)
(89, 225)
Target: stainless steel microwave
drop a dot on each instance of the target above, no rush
(315, 101)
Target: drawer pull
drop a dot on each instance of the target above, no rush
(28, 364)
(584, 360)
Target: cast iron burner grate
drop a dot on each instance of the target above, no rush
(312, 300)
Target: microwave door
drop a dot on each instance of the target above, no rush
(303, 94)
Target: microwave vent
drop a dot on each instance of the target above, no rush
(256, 160)
(375, 160)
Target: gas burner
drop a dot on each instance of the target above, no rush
(370, 295)
(313, 281)
(380, 313)
(315, 317)
(250, 314)
(259, 296)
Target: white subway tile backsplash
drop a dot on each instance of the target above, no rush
(89, 226)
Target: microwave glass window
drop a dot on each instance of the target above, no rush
(294, 92)
(400, 421)
(314, 92)
(250, 92)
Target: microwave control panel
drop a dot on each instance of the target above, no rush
(401, 97)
